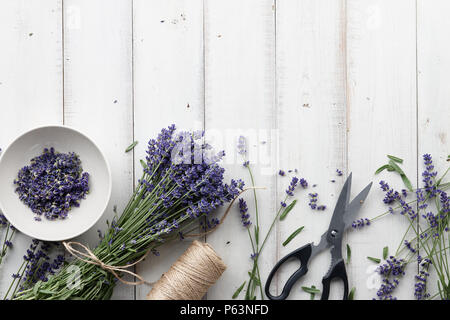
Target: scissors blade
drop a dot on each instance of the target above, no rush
(337, 220)
(354, 206)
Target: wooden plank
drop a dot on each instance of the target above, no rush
(433, 95)
(311, 121)
(381, 80)
(168, 88)
(239, 99)
(30, 85)
(98, 93)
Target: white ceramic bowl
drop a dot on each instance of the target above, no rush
(63, 139)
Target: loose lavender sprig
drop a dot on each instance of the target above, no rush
(430, 233)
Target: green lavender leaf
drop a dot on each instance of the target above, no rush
(407, 182)
(288, 208)
(238, 291)
(376, 260)
(349, 253)
(131, 146)
(402, 175)
(143, 164)
(292, 236)
(312, 290)
(312, 295)
(385, 252)
(351, 295)
(396, 159)
(380, 169)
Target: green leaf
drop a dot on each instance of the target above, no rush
(376, 260)
(349, 253)
(394, 158)
(238, 291)
(396, 167)
(288, 208)
(143, 164)
(407, 182)
(312, 290)
(312, 295)
(292, 236)
(351, 295)
(385, 252)
(131, 146)
(380, 169)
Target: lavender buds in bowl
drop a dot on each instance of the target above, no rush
(52, 184)
(67, 212)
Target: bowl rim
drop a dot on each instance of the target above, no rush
(105, 160)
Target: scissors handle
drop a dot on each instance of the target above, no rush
(303, 254)
(337, 272)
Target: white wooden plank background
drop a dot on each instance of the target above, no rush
(315, 85)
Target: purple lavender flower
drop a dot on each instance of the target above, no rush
(339, 172)
(52, 184)
(281, 173)
(420, 288)
(429, 175)
(303, 183)
(245, 217)
(391, 271)
(360, 223)
(291, 188)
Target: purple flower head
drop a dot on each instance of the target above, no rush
(339, 172)
(291, 188)
(245, 217)
(360, 223)
(281, 173)
(428, 176)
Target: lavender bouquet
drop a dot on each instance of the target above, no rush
(181, 184)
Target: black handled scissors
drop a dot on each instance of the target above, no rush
(343, 216)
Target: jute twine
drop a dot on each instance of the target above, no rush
(190, 277)
(88, 256)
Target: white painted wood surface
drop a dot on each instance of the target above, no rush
(315, 85)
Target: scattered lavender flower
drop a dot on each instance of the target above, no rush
(409, 246)
(339, 172)
(304, 183)
(313, 200)
(281, 173)
(291, 188)
(52, 184)
(360, 223)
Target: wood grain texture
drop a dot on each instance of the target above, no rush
(381, 82)
(314, 85)
(168, 88)
(433, 69)
(240, 52)
(30, 85)
(98, 94)
(312, 124)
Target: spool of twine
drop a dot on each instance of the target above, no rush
(190, 277)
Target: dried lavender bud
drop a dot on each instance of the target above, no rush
(52, 184)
